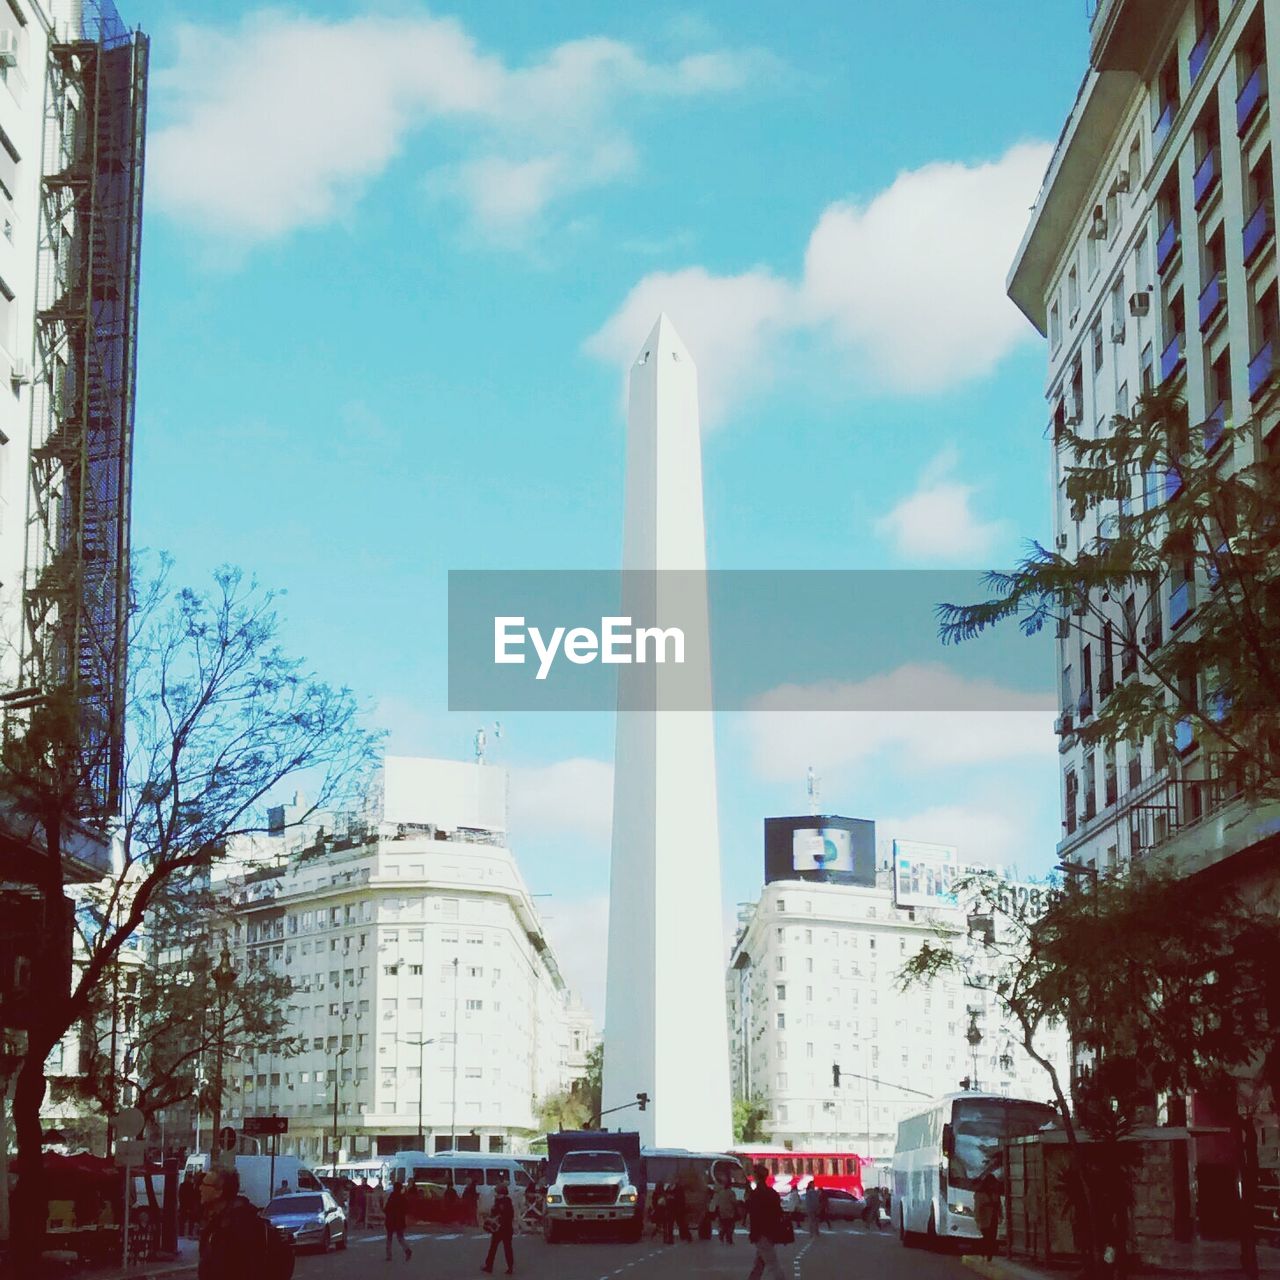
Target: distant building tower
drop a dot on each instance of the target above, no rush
(664, 1005)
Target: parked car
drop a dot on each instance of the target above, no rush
(842, 1206)
(311, 1219)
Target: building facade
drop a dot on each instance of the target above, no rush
(813, 983)
(1150, 261)
(424, 982)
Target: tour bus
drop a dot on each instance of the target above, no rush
(942, 1151)
(417, 1168)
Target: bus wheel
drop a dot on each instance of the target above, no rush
(909, 1238)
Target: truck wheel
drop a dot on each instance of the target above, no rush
(633, 1231)
(551, 1232)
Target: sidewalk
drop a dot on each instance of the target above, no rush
(183, 1265)
(1205, 1260)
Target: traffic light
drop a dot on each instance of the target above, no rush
(835, 1074)
(643, 1100)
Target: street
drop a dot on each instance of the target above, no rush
(836, 1255)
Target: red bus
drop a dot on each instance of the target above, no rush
(796, 1169)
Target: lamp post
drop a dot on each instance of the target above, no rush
(337, 1072)
(224, 977)
(420, 1045)
(453, 1116)
(974, 1036)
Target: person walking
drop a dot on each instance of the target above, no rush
(188, 1205)
(726, 1210)
(395, 1218)
(986, 1211)
(680, 1211)
(233, 1244)
(470, 1209)
(812, 1204)
(824, 1208)
(768, 1227)
(501, 1227)
(358, 1203)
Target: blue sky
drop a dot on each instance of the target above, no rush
(396, 258)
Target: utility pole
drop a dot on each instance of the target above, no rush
(453, 1117)
(421, 1045)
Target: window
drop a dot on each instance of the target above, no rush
(780, 991)
(415, 970)
(1091, 256)
(1096, 336)
(1135, 167)
(474, 1006)
(781, 964)
(1168, 99)
(780, 1021)
(1055, 327)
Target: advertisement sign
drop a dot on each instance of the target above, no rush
(924, 875)
(820, 847)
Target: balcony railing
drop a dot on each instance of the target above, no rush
(1166, 244)
(1212, 299)
(1214, 426)
(1258, 230)
(1200, 53)
(1207, 175)
(1172, 356)
(1262, 369)
(1252, 96)
(1164, 122)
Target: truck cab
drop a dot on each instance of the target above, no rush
(594, 1178)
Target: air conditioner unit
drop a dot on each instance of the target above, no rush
(1071, 412)
(1117, 330)
(8, 48)
(1140, 303)
(1120, 183)
(1098, 228)
(19, 370)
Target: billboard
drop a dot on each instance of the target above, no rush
(820, 847)
(924, 875)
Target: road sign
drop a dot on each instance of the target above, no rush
(129, 1151)
(129, 1123)
(262, 1126)
(227, 1139)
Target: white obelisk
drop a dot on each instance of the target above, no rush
(665, 1023)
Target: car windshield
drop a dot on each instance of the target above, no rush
(593, 1162)
(981, 1124)
(296, 1204)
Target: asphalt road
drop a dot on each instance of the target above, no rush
(837, 1255)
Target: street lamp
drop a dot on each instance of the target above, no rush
(420, 1044)
(224, 978)
(974, 1036)
(342, 1051)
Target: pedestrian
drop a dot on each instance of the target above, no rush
(662, 1213)
(188, 1205)
(501, 1227)
(470, 1208)
(824, 1208)
(680, 1211)
(358, 1203)
(812, 1204)
(396, 1218)
(233, 1244)
(986, 1210)
(768, 1227)
(284, 1189)
(726, 1210)
(870, 1209)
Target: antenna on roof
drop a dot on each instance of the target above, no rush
(811, 786)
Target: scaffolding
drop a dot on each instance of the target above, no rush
(76, 598)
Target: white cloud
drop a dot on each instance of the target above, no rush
(924, 715)
(568, 798)
(727, 322)
(284, 122)
(937, 521)
(907, 290)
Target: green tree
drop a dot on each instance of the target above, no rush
(1164, 993)
(218, 719)
(576, 1106)
(750, 1118)
(1185, 513)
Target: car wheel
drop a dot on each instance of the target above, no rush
(325, 1241)
(342, 1240)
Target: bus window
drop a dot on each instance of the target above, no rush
(433, 1174)
(851, 1166)
(522, 1178)
(462, 1176)
(494, 1176)
(773, 1165)
(808, 1167)
(786, 1167)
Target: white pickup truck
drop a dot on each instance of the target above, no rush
(590, 1186)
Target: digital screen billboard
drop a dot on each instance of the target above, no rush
(822, 847)
(924, 875)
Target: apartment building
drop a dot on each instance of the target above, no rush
(813, 982)
(424, 982)
(1150, 261)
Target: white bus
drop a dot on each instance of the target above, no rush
(459, 1168)
(942, 1151)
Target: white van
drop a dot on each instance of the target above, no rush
(460, 1167)
(256, 1173)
